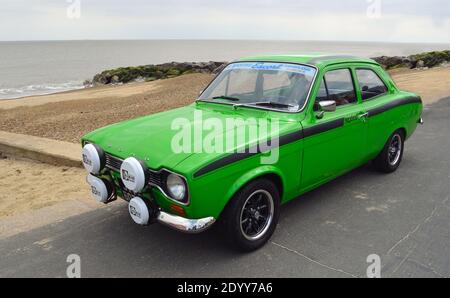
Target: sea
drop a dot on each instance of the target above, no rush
(45, 67)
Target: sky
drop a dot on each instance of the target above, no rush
(418, 21)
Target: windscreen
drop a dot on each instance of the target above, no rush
(284, 85)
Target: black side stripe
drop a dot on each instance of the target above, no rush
(394, 104)
(320, 128)
(230, 159)
(298, 135)
(256, 150)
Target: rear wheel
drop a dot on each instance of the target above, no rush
(251, 217)
(390, 158)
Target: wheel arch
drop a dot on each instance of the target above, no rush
(404, 131)
(268, 172)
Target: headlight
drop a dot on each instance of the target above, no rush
(93, 159)
(176, 187)
(134, 174)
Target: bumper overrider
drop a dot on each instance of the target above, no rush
(134, 179)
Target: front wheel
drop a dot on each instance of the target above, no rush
(251, 217)
(390, 158)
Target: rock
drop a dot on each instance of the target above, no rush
(140, 79)
(159, 74)
(407, 62)
(173, 72)
(390, 62)
(153, 72)
(219, 68)
(87, 84)
(429, 59)
(432, 59)
(115, 80)
(99, 79)
(174, 69)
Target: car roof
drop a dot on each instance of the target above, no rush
(319, 60)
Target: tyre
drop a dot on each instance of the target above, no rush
(251, 217)
(391, 157)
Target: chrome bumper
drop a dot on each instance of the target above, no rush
(421, 122)
(191, 226)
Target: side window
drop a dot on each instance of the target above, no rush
(340, 86)
(370, 83)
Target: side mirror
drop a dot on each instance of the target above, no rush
(326, 106)
(365, 88)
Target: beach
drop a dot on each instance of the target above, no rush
(68, 116)
(27, 185)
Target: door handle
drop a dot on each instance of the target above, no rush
(363, 116)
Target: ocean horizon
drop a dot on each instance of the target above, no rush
(30, 68)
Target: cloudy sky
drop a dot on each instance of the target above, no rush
(346, 20)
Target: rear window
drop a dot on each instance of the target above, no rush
(370, 83)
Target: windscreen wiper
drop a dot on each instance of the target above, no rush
(273, 104)
(227, 98)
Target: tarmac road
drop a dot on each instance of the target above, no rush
(330, 232)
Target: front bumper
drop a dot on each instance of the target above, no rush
(191, 226)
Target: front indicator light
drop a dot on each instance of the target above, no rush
(178, 210)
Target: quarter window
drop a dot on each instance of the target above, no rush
(338, 86)
(322, 94)
(370, 83)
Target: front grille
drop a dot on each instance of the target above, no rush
(114, 163)
(155, 178)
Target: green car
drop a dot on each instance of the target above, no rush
(265, 131)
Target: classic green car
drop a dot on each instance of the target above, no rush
(265, 131)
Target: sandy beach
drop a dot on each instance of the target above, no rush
(68, 116)
(27, 185)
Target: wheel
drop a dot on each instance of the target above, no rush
(251, 217)
(390, 158)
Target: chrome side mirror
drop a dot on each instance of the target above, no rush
(326, 106)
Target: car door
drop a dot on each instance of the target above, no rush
(334, 142)
(374, 93)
